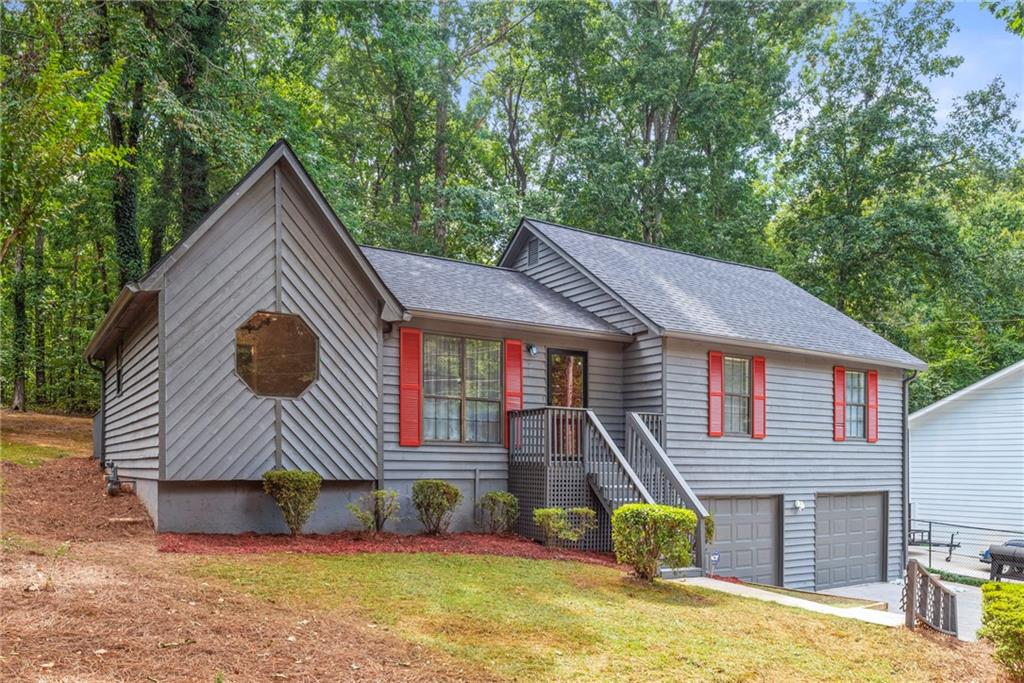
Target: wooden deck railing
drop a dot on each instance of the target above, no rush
(927, 600)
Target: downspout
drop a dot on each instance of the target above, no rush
(102, 369)
(907, 380)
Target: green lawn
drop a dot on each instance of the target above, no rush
(527, 620)
(29, 455)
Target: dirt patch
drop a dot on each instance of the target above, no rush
(65, 500)
(348, 543)
(73, 434)
(119, 611)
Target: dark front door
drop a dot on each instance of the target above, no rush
(567, 388)
(567, 378)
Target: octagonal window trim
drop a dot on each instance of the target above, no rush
(316, 355)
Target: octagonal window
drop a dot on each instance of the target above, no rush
(276, 354)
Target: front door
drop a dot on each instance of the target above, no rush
(567, 388)
(567, 378)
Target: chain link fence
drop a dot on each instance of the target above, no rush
(957, 548)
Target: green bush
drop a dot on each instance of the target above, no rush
(499, 511)
(295, 492)
(559, 524)
(709, 528)
(435, 501)
(374, 509)
(1002, 619)
(643, 534)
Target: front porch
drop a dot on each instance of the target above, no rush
(564, 457)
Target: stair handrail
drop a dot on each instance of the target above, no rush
(617, 454)
(666, 466)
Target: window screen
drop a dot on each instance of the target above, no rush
(737, 395)
(855, 404)
(461, 389)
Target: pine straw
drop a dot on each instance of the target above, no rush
(347, 543)
(119, 611)
(64, 499)
(73, 434)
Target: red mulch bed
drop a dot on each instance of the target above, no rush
(347, 543)
(727, 579)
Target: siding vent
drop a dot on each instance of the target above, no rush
(531, 252)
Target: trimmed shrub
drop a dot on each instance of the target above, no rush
(642, 534)
(295, 493)
(1002, 622)
(374, 509)
(709, 528)
(435, 501)
(559, 524)
(499, 511)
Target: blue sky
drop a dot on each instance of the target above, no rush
(989, 50)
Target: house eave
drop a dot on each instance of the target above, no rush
(621, 337)
(991, 379)
(122, 314)
(755, 344)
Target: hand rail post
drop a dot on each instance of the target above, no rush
(929, 544)
(911, 604)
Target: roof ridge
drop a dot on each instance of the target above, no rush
(439, 258)
(651, 246)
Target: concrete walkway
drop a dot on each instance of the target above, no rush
(872, 616)
(968, 602)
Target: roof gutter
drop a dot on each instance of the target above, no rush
(907, 380)
(689, 336)
(128, 292)
(620, 337)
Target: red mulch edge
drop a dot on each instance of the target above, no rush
(727, 579)
(348, 543)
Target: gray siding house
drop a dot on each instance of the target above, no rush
(582, 370)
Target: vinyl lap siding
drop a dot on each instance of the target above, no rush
(462, 463)
(967, 459)
(642, 375)
(555, 273)
(798, 459)
(132, 417)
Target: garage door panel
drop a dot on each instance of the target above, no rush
(848, 539)
(746, 537)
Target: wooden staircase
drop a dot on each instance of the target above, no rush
(560, 448)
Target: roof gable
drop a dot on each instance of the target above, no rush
(703, 298)
(994, 378)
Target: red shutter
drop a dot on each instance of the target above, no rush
(410, 390)
(716, 407)
(513, 378)
(759, 396)
(872, 378)
(839, 403)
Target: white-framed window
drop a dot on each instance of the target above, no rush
(856, 404)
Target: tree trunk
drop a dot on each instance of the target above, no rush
(160, 223)
(441, 131)
(39, 318)
(19, 345)
(126, 177)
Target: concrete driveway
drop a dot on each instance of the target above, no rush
(968, 602)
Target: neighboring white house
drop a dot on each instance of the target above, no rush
(967, 455)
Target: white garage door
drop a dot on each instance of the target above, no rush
(747, 537)
(848, 543)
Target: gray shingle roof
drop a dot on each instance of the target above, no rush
(690, 294)
(440, 285)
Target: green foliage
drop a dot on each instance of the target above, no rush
(1002, 619)
(643, 534)
(559, 525)
(957, 578)
(374, 509)
(709, 528)
(435, 501)
(499, 510)
(295, 493)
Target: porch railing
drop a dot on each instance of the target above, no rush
(656, 424)
(648, 459)
(614, 480)
(927, 600)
